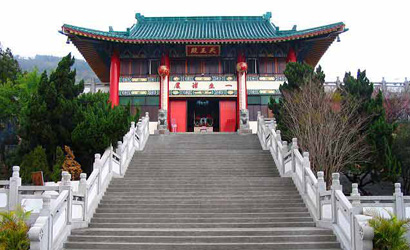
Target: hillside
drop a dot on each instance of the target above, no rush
(49, 63)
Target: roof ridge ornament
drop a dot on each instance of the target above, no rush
(267, 16)
(139, 16)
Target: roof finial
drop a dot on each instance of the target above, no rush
(268, 15)
(139, 16)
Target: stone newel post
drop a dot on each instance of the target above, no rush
(15, 183)
(335, 186)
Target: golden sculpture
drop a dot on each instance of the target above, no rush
(70, 165)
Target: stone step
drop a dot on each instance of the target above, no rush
(199, 232)
(204, 225)
(203, 215)
(188, 193)
(183, 220)
(204, 246)
(202, 192)
(224, 179)
(175, 186)
(284, 204)
(203, 239)
(208, 210)
(207, 167)
(202, 174)
(271, 182)
(161, 195)
(172, 202)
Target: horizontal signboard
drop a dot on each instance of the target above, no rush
(203, 50)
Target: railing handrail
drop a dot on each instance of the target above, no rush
(112, 163)
(352, 231)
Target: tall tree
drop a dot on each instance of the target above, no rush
(401, 149)
(48, 117)
(9, 67)
(382, 164)
(98, 126)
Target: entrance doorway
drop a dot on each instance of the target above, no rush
(203, 115)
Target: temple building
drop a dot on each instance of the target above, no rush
(202, 73)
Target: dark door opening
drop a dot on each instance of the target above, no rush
(203, 115)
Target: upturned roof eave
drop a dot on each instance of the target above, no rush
(114, 37)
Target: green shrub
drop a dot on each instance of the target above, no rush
(13, 230)
(34, 161)
(389, 233)
(57, 168)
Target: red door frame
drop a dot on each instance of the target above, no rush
(227, 115)
(178, 111)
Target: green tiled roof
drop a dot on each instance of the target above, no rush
(202, 29)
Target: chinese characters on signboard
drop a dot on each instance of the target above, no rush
(203, 50)
(195, 85)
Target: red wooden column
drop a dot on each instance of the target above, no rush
(163, 72)
(291, 56)
(242, 93)
(114, 79)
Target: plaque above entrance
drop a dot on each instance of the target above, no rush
(203, 50)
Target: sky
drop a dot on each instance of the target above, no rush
(378, 39)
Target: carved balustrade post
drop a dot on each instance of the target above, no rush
(335, 186)
(356, 210)
(65, 184)
(277, 139)
(321, 187)
(293, 148)
(141, 136)
(284, 152)
(82, 190)
(82, 186)
(363, 233)
(306, 165)
(399, 208)
(46, 213)
(97, 165)
(15, 183)
(355, 195)
(118, 151)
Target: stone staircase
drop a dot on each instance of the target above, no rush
(196, 191)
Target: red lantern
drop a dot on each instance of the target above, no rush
(163, 70)
(241, 67)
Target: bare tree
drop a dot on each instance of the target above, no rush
(397, 105)
(331, 131)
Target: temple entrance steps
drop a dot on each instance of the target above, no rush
(194, 191)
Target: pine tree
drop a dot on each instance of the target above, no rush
(48, 117)
(34, 161)
(9, 67)
(55, 175)
(382, 164)
(98, 126)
